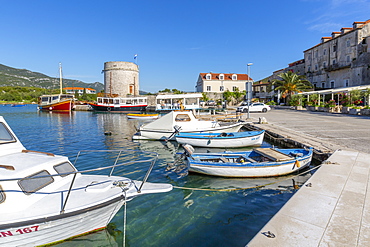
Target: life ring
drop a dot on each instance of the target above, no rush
(109, 109)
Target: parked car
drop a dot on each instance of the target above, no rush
(254, 107)
(211, 103)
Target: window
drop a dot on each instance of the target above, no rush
(346, 82)
(348, 59)
(2, 195)
(5, 135)
(309, 56)
(235, 88)
(182, 118)
(32, 183)
(348, 43)
(208, 77)
(324, 64)
(64, 168)
(323, 85)
(222, 77)
(324, 52)
(309, 69)
(332, 84)
(208, 88)
(316, 67)
(316, 54)
(234, 77)
(334, 48)
(222, 88)
(334, 61)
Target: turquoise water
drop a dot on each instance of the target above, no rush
(182, 217)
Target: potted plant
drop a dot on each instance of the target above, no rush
(365, 110)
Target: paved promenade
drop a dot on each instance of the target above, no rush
(326, 131)
(333, 207)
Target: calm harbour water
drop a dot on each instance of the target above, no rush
(182, 217)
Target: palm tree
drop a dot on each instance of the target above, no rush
(290, 84)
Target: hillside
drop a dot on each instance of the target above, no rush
(21, 77)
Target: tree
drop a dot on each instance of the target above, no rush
(205, 97)
(290, 84)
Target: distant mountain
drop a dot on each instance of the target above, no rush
(21, 77)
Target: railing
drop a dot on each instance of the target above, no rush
(152, 160)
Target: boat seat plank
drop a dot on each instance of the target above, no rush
(224, 160)
(273, 154)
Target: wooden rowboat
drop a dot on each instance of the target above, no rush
(260, 162)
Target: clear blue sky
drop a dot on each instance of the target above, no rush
(175, 40)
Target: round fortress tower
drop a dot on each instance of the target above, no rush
(121, 78)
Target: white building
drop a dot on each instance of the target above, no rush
(220, 82)
(79, 90)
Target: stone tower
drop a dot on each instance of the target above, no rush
(121, 78)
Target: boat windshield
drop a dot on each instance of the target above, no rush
(2, 195)
(5, 135)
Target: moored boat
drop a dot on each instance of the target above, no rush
(222, 140)
(142, 116)
(117, 104)
(56, 102)
(45, 199)
(260, 162)
(168, 125)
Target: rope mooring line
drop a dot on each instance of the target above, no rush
(253, 187)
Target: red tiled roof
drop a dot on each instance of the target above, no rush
(227, 77)
(78, 88)
(366, 22)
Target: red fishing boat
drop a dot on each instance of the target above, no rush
(57, 102)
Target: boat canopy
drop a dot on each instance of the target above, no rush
(174, 101)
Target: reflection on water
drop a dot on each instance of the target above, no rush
(200, 211)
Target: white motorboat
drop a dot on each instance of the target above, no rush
(168, 125)
(45, 199)
(222, 140)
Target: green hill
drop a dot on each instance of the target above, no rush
(24, 78)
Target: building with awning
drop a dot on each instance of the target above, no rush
(334, 91)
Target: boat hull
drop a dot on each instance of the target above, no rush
(44, 231)
(118, 108)
(142, 116)
(147, 134)
(231, 140)
(249, 170)
(60, 106)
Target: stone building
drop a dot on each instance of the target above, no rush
(220, 82)
(121, 78)
(297, 67)
(341, 60)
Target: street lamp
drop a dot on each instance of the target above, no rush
(249, 87)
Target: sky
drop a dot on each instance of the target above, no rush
(174, 40)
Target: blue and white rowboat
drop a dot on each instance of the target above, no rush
(261, 162)
(222, 140)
